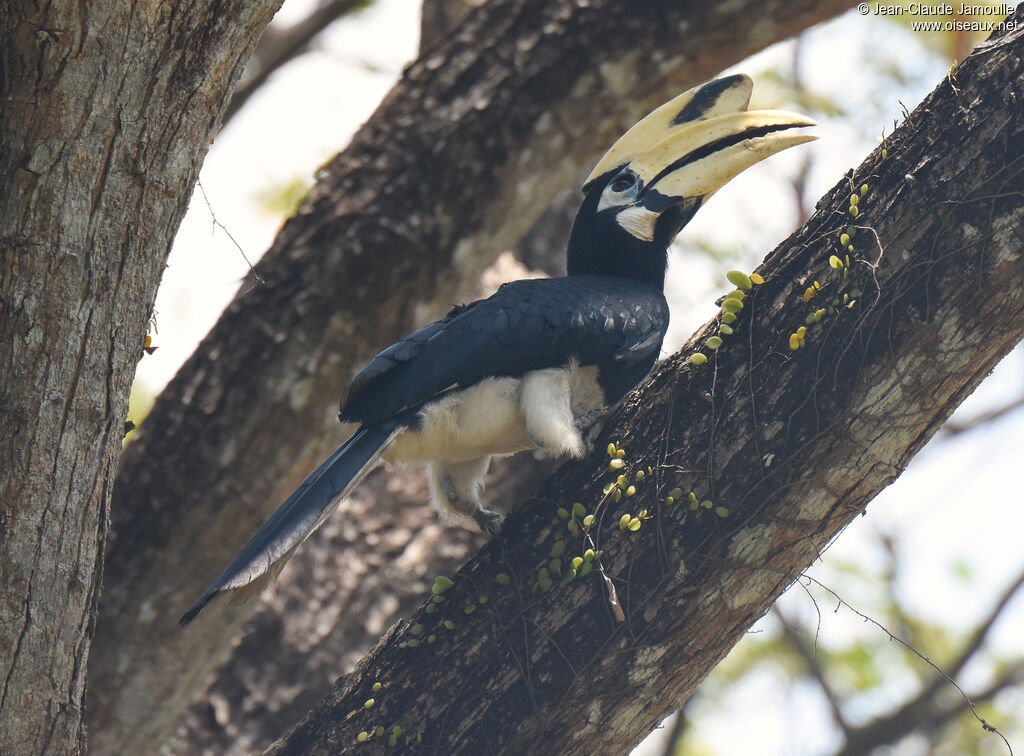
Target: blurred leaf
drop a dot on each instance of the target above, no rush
(283, 200)
(717, 252)
(857, 665)
(961, 569)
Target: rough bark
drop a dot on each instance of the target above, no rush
(107, 112)
(373, 563)
(439, 18)
(465, 152)
(792, 443)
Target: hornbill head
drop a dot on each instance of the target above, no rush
(657, 175)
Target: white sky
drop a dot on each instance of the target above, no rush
(959, 502)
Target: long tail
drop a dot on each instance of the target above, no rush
(300, 514)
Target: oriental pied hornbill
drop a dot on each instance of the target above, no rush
(539, 362)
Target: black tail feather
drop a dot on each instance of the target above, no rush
(301, 513)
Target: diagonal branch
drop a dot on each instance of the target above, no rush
(925, 715)
(787, 445)
(926, 708)
(978, 637)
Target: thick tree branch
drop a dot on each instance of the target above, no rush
(792, 443)
(108, 110)
(464, 153)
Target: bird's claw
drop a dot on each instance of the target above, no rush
(489, 522)
(590, 426)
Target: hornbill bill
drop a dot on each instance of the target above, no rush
(537, 364)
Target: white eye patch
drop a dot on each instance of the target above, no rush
(622, 190)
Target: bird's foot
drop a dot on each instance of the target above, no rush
(590, 426)
(489, 522)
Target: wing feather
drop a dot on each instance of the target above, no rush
(615, 324)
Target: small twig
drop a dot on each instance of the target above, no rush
(222, 227)
(967, 699)
(613, 595)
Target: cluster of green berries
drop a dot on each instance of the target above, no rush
(841, 265)
(731, 307)
(396, 732)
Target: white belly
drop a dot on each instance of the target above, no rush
(504, 415)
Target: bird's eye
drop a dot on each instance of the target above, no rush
(623, 182)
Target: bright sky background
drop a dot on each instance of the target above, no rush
(960, 501)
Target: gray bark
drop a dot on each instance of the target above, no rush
(107, 112)
(793, 443)
(462, 156)
(439, 18)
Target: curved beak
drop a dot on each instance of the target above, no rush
(693, 145)
(698, 160)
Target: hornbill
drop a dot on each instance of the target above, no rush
(539, 363)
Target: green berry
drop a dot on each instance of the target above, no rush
(441, 584)
(739, 279)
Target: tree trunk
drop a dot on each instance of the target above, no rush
(786, 438)
(107, 113)
(464, 153)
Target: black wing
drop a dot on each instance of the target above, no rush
(614, 323)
